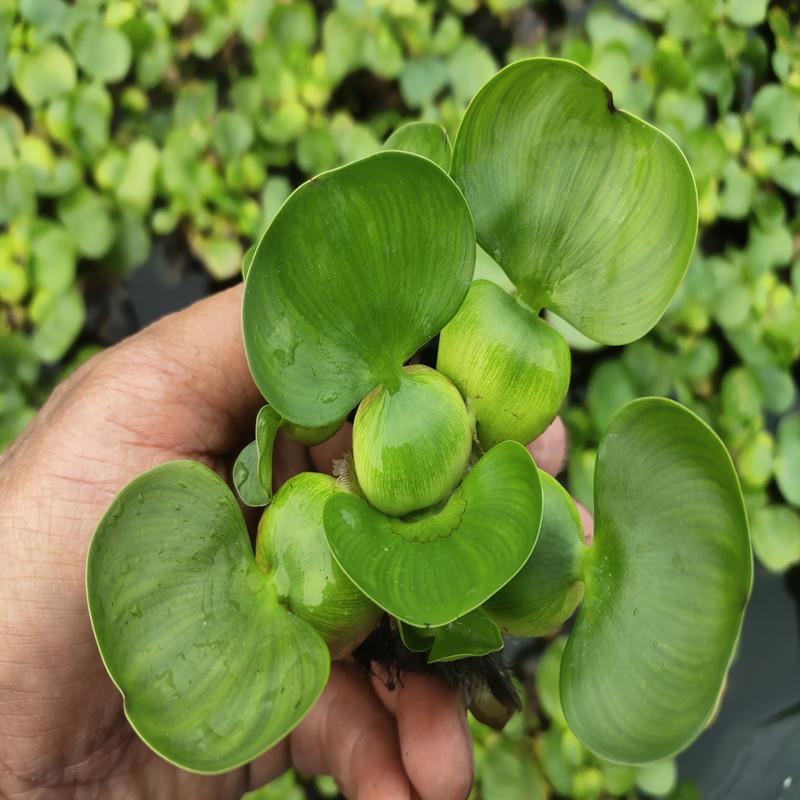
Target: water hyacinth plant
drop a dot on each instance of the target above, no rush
(441, 519)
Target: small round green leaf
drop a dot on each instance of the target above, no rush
(423, 138)
(591, 211)
(103, 53)
(44, 74)
(245, 478)
(432, 567)
(548, 589)
(213, 671)
(361, 266)
(776, 537)
(667, 580)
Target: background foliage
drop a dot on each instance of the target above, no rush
(124, 122)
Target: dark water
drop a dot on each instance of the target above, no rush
(752, 751)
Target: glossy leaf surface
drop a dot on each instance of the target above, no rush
(469, 636)
(212, 669)
(245, 477)
(591, 211)
(423, 138)
(548, 589)
(361, 266)
(432, 567)
(292, 549)
(411, 446)
(512, 367)
(667, 580)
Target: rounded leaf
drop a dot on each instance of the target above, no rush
(591, 211)
(433, 567)
(361, 266)
(667, 580)
(246, 480)
(547, 590)
(212, 670)
(423, 138)
(412, 443)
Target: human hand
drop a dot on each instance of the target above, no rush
(178, 389)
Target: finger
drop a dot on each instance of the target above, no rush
(435, 742)
(184, 380)
(349, 735)
(549, 450)
(587, 520)
(323, 455)
(269, 766)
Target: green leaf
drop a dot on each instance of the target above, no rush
(245, 478)
(87, 217)
(213, 670)
(658, 779)
(44, 74)
(548, 589)
(586, 237)
(52, 257)
(417, 640)
(232, 135)
(776, 537)
(787, 460)
(469, 636)
(423, 138)
(292, 549)
(361, 266)
(434, 566)
(747, 13)
(511, 366)
(58, 324)
(221, 256)
(487, 269)
(103, 53)
(776, 112)
(268, 422)
(667, 580)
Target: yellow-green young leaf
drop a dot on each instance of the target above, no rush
(548, 589)
(776, 537)
(292, 549)
(361, 266)
(512, 367)
(591, 211)
(411, 442)
(667, 580)
(430, 568)
(423, 138)
(212, 669)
